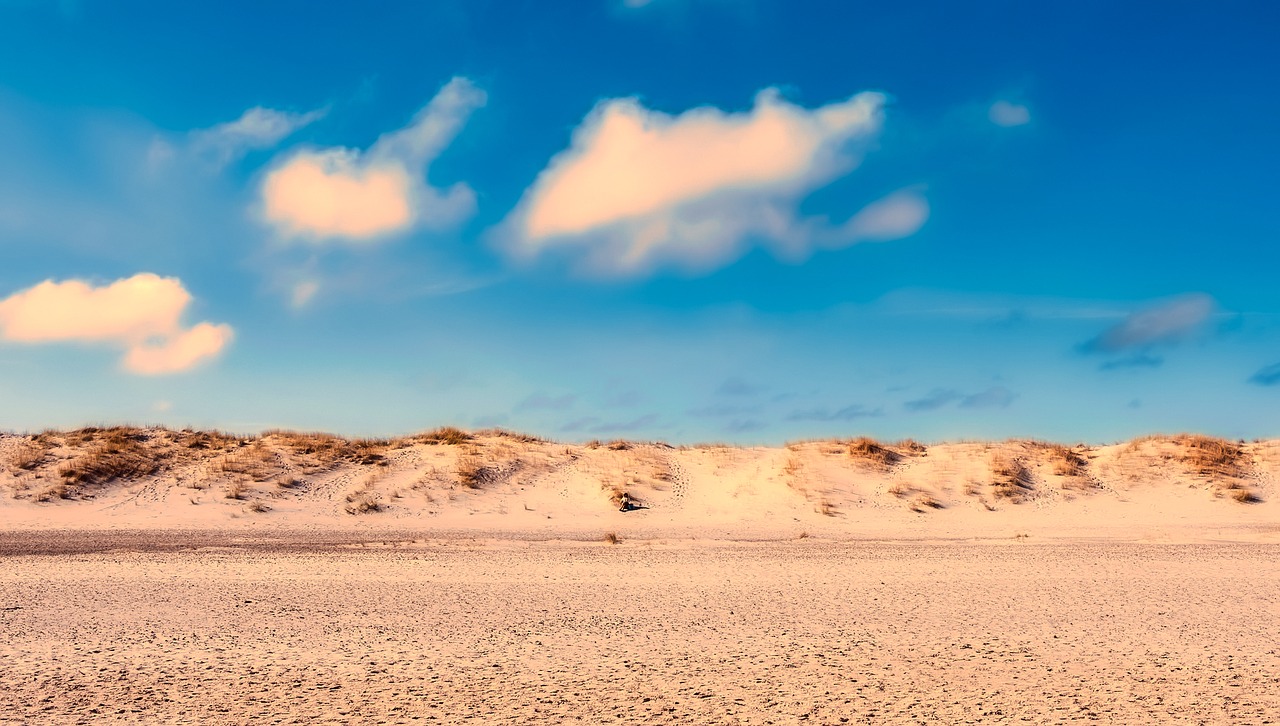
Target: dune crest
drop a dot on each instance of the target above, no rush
(497, 481)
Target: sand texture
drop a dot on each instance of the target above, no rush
(653, 632)
(154, 576)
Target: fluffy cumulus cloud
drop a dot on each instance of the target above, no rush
(257, 128)
(345, 194)
(1165, 323)
(141, 314)
(638, 189)
(1006, 113)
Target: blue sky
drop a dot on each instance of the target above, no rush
(693, 220)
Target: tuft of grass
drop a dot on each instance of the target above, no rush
(236, 489)
(619, 445)
(363, 501)
(515, 436)
(1245, 496)
(826, 509)
(119, 455)
(612, 538)
(259, 506)
(925, 502)
(31, 455)
(472, 472)
(911, 447)
(52, 492)
(1011, 479)
(1067, 461)
(1212, 458)
(447, 435)
(873, 452)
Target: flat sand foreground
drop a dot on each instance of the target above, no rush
(658, 631)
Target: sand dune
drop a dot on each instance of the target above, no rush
(155, 576)
(1167, 487)
(496, 482)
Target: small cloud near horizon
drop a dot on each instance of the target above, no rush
(1166, 323)
(1267, 376)
(994, 397)
(1140, 360)
(848, 413)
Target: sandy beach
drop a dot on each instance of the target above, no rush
(808, 631)
(153, 576)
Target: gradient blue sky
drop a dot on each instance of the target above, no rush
(1059, 221)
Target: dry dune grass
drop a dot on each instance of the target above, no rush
(1011, 480)
(30, 455)
(873, 452)
(1211, 458)
(1067, 461)
(447, 435)
(833, 477)
(363, 501)
(117, 454)
(326, 449)
(1221, 463)
(471, 470)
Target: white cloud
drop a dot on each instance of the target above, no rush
(141, 314)
(257, 128)
(898, 215)
(1005, 113)
(638, 188)
(337, 193)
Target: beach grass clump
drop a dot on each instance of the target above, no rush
(471, 471)
(872, 452)
(117, 453)
(445, 435)
(363, 502)
(1011, 479)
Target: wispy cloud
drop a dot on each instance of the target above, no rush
(257, 128)
(330, 194)
(1139, 360)
(639, 189)
(1165, 323)
(994, 397)
(141, 314)
(738, 387)
(848, 413)
(1268, 376)
(935, 399)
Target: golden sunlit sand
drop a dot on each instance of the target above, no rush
(192, 577)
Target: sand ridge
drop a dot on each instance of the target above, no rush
(1156, 488)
